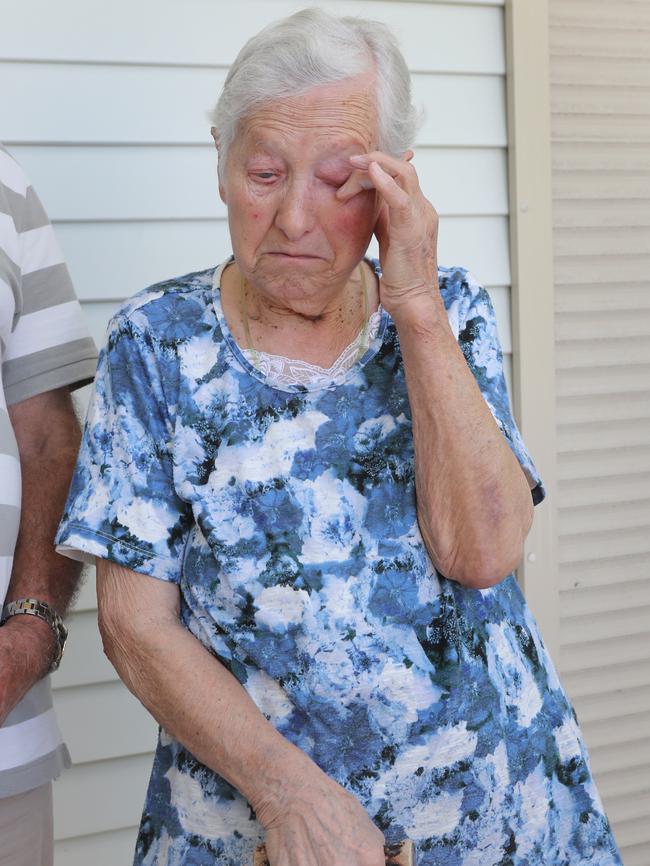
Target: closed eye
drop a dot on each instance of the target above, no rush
(335, 181)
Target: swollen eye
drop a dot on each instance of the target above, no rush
(336, 182)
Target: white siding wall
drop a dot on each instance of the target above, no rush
(600, 123)
(104, 104)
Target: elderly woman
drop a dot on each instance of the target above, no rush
(306, 495)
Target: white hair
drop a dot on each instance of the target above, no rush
(309, 49)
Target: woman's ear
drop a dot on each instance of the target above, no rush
(217, 144)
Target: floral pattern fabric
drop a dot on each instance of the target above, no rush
(287, 517)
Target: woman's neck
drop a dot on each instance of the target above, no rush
(280, 330)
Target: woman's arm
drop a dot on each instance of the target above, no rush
(307, 816)
(474, 503)
(187, 690)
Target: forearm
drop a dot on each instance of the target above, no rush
(474, 505)
(38, 571)
(200, 703)
(48, 435)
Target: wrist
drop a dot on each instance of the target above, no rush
(26, 653)
(34, 607)
(425, 313)
(278, 785)
(32, 643)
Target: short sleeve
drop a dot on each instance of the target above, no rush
(122, 504)
(479, 340)
(49, 345)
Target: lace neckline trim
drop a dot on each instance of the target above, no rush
(294, 371)
(313, 379)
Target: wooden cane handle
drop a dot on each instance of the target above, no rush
(397, 854)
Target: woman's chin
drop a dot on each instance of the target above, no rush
(287, 261)
(289, 274)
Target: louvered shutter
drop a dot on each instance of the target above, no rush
(600, 126)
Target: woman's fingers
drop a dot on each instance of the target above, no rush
(382, 228)
(358, 180)
(298, 853)
(322, 824)
(394, 195)
(406, 225)
(391, 165)
(399, 168)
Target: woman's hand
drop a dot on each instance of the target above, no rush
(407, 228)
(319, 824)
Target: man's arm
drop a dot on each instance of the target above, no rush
(48, 434)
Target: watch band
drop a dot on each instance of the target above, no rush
(42, 610)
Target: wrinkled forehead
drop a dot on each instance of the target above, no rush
(332, 118)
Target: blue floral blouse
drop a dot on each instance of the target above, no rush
(287, 517)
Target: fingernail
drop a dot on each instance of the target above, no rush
(359, 159)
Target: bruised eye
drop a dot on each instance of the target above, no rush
(335, 181)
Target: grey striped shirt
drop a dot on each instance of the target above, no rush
(44, 344)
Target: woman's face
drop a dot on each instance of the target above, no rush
(291, 237)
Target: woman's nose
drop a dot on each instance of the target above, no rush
(295, 215)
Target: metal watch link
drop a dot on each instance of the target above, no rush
(42, 610)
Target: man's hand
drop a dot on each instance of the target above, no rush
(27, 646)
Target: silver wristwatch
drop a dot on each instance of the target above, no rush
(34, 607)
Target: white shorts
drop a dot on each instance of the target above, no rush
(26, 828)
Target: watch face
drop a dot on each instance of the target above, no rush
(62, 636)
